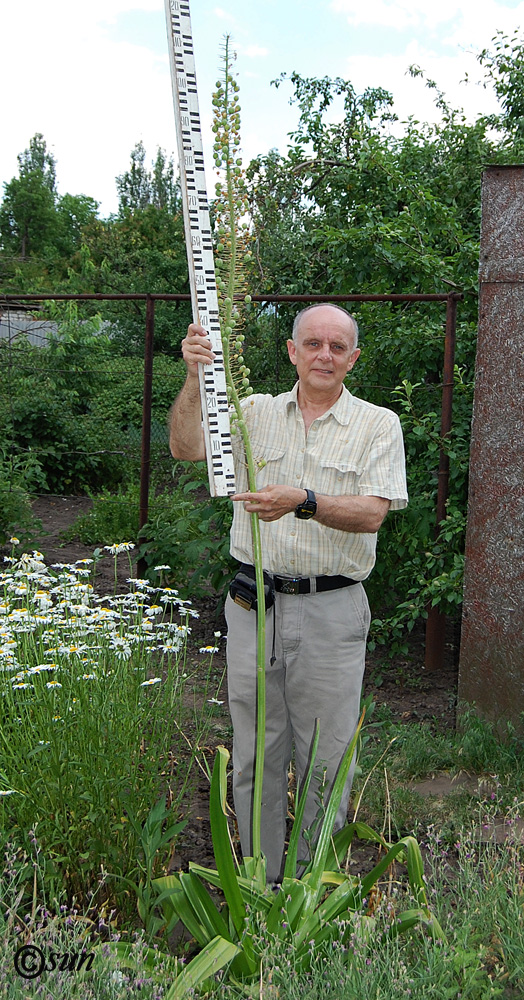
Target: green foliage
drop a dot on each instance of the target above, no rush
(48, 409)
(112, 515)
(189, 532)
(27, 216)
(155, 835)
(53, 243)
(305, 914)
(416, 567)
(40, 231)
(73, 409)
(505, 66)
(139, 187)
(141, 250)
(17, 477)
(85, 725)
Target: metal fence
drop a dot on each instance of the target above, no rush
(144, 433)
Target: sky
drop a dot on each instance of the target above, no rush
(94, 78)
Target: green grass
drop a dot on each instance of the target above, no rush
(84, 760)
(477, 891)
(99, 719)
(396, 756)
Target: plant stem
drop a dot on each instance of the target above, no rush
(228, 322)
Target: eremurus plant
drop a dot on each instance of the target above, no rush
(232, 261)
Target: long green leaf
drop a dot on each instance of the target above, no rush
(411, 918)
(326, 831)
(250, 894)
(204, 907)
(213, 922)
(288, 906)
(223, 852)
(214, 957)
(341, 842)
(314, 877)
(174, 901)
(149, 959)
(290, 869)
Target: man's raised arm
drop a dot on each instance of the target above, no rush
(186, 436)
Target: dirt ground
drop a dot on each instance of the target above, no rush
(410, 692)
(406, 687)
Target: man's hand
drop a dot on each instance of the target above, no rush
(271, 502)
(344, 513)
(196, 349)
(186, 435)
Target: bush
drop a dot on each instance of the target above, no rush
(16, 479)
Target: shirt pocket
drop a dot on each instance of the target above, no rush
(340, 477)
(272, 456)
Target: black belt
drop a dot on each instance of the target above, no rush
(302, 584)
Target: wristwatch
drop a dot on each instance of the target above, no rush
(307, 508)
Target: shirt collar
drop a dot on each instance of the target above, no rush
(340, 410)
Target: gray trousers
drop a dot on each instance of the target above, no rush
(319, 645)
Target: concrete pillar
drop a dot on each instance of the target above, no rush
(491, 673)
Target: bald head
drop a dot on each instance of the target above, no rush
(352, 323)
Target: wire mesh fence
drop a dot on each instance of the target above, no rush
(86, 383)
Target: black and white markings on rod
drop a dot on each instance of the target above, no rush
(202, 278)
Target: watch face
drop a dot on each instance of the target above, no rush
(308, 508)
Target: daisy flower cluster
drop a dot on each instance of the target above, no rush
(96, 718)
(51, 621)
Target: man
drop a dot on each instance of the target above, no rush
(333, 465)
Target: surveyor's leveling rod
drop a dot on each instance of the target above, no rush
(213, 391)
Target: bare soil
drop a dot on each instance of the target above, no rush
(410, 692)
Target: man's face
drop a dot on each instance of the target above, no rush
(324, 350)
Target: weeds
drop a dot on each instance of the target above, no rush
(94, 709)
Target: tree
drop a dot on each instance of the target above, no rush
(358, 206)
(28, 222)
(505, 71)
(139, 187)
(75, 213)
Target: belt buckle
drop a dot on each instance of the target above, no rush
(289, 586)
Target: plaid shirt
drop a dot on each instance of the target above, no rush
(355, 448)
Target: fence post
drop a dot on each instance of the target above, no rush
(145, 455)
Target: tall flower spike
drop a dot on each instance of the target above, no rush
(232, 263)
(233, 254)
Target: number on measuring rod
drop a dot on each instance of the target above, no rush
(213, 392)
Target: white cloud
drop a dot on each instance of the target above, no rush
(255, 51)
(399, 13)
(223, 15)
(412, 97)
(469, 23)
(91, 97)
(480, 23)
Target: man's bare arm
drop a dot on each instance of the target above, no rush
(345, 513)
(186, 436)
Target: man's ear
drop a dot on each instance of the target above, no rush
(292, 351)
(354, 358)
